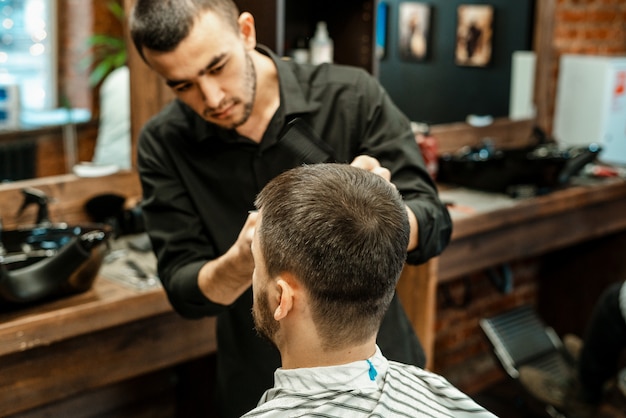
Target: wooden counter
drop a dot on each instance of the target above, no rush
(488, 232)
(106, 335)
(491, 229)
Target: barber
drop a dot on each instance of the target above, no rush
(242, 116)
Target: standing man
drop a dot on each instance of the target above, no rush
(242, 116)
(324, 317)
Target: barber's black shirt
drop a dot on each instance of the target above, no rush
(199, 182)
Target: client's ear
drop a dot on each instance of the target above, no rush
(285, 299)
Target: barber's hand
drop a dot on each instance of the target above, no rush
(225, 278)
(371, 164)
(243, 251)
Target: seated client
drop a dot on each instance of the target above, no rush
(329, 246)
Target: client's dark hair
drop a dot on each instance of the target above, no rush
(343, 233)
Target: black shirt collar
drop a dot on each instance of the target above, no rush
(289, 85)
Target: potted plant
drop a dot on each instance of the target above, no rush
(109, 51)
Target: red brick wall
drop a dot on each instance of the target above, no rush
(75, 26)
(595, 27)
(462, 352)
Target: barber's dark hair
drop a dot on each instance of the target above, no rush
(161, 25)
(343, 232)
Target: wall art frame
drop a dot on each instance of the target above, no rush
(414, 30)
(474, 35)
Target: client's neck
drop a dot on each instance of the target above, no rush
(296, 356)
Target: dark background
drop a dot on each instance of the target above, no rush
(437, 90)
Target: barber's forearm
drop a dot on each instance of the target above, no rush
(434, 230)
(414, 235)
(223, 279)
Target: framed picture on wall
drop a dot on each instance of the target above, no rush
(474, 35)
(414, 30)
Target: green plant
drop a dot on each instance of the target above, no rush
(109, 52)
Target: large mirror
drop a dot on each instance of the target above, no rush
(63, 99)
(72, 23)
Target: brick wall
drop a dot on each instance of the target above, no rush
(562, 286)
(75, 26)
(596, 27)
(462, 352)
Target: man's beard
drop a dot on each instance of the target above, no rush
(249, 87)
(264, 323)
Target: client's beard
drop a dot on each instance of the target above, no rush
(264, 323)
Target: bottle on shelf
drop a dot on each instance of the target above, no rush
(321, 45)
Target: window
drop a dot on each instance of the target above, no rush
(27, 51)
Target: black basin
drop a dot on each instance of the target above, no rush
(544, 167)
(45, 262)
